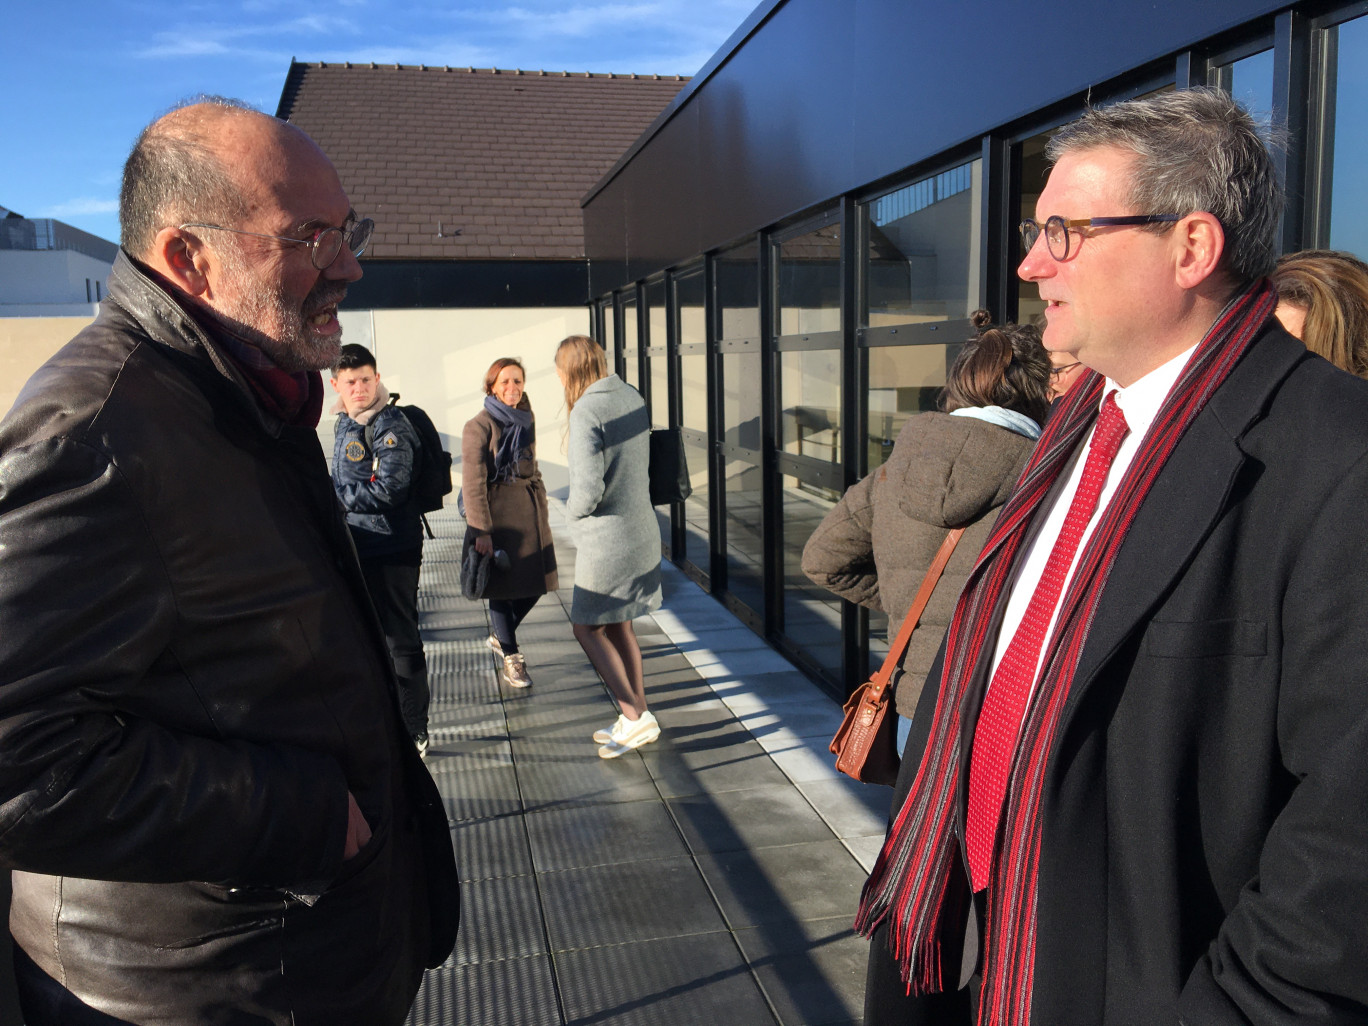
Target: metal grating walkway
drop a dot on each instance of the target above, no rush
(709, 878)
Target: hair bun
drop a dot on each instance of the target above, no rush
(982, 320)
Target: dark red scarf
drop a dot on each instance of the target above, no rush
(295, 397)
(919, 882)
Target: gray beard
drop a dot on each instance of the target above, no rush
(297, 348)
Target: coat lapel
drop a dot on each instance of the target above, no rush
(1187, 499)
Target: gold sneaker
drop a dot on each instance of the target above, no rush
(515, 671)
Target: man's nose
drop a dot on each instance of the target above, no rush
(1037, 263)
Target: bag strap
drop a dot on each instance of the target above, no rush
(881, 679)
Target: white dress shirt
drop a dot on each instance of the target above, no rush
(1140, 404)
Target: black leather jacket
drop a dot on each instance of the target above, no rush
(191, 681)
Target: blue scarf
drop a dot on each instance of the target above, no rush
(518, 436)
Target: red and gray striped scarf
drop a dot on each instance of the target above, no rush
(919, 883)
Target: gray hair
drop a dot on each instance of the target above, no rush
(174, 175)
(1196, 150)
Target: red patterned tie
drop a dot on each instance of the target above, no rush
(995, 737)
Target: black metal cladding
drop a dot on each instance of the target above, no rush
(446, 284)
(825, 98)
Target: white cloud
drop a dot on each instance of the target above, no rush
(83, 205)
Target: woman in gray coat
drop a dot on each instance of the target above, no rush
(949, 469)
(617, 562)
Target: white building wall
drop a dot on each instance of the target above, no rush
(55, 282)
(435, 359)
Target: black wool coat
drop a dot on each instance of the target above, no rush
(1204, 857)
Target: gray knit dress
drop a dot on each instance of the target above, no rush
(617, 559)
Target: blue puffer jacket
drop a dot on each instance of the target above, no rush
(373, 486)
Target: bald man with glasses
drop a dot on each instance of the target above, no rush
(208, 798)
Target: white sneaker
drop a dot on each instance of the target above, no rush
(605, 734)
(627, 735)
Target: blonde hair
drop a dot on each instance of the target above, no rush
(1332, 288)
(581, 361)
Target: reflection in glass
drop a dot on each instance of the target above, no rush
(1250, 81)
(660, 391)
(812, 615)
(629, 339)
(1034, 172)
(878, 640)
(903, 380)
(1348, 189)
(655, 314)
(924, 249)
(609, 340)
(693, 378)
(745, 557)
(738, 291)
(689, 295)
(741, 399)
(810, 400)
(810, 282)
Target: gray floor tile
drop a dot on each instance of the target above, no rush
(784, 885)
(625, 903)
(599, 835)
(813, 973)
(682, 981)
(559, 774)
(511, 992)
(850, 808)
(487, 848)
(681, 769)
(759, 817)
(500, 918)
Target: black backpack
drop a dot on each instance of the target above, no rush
(432, 474)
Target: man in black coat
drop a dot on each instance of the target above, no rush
(1186, 813)
(208, 799)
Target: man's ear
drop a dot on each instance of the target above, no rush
(1200, 242)
(334, 385)
(183, 260)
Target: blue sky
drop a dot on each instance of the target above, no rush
(81, 79)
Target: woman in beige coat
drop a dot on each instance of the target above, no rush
(505, 510)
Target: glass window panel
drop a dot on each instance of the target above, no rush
(738, 291)
(812, 615)
(629, 340)
(878, 640)
(655, 306)
(1251, 82)
(689, 294)
(924, 249)
(810, 282)
(745, 556)
(741, 399)
(693, 377)
(1034, 172)
(903, 380)
(660, 391)
(609, 339)
(810, 397)
(1348, 188)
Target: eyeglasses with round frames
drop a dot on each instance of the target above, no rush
(1057, 229)
(324, 247)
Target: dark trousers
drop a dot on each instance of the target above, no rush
(393, 587)
(504, 617)
(47, 1003)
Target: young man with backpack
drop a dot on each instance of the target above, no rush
(379, 461)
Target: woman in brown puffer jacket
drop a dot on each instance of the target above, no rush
(954, 468)
(505, 510)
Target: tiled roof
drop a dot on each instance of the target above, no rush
(476, 164)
